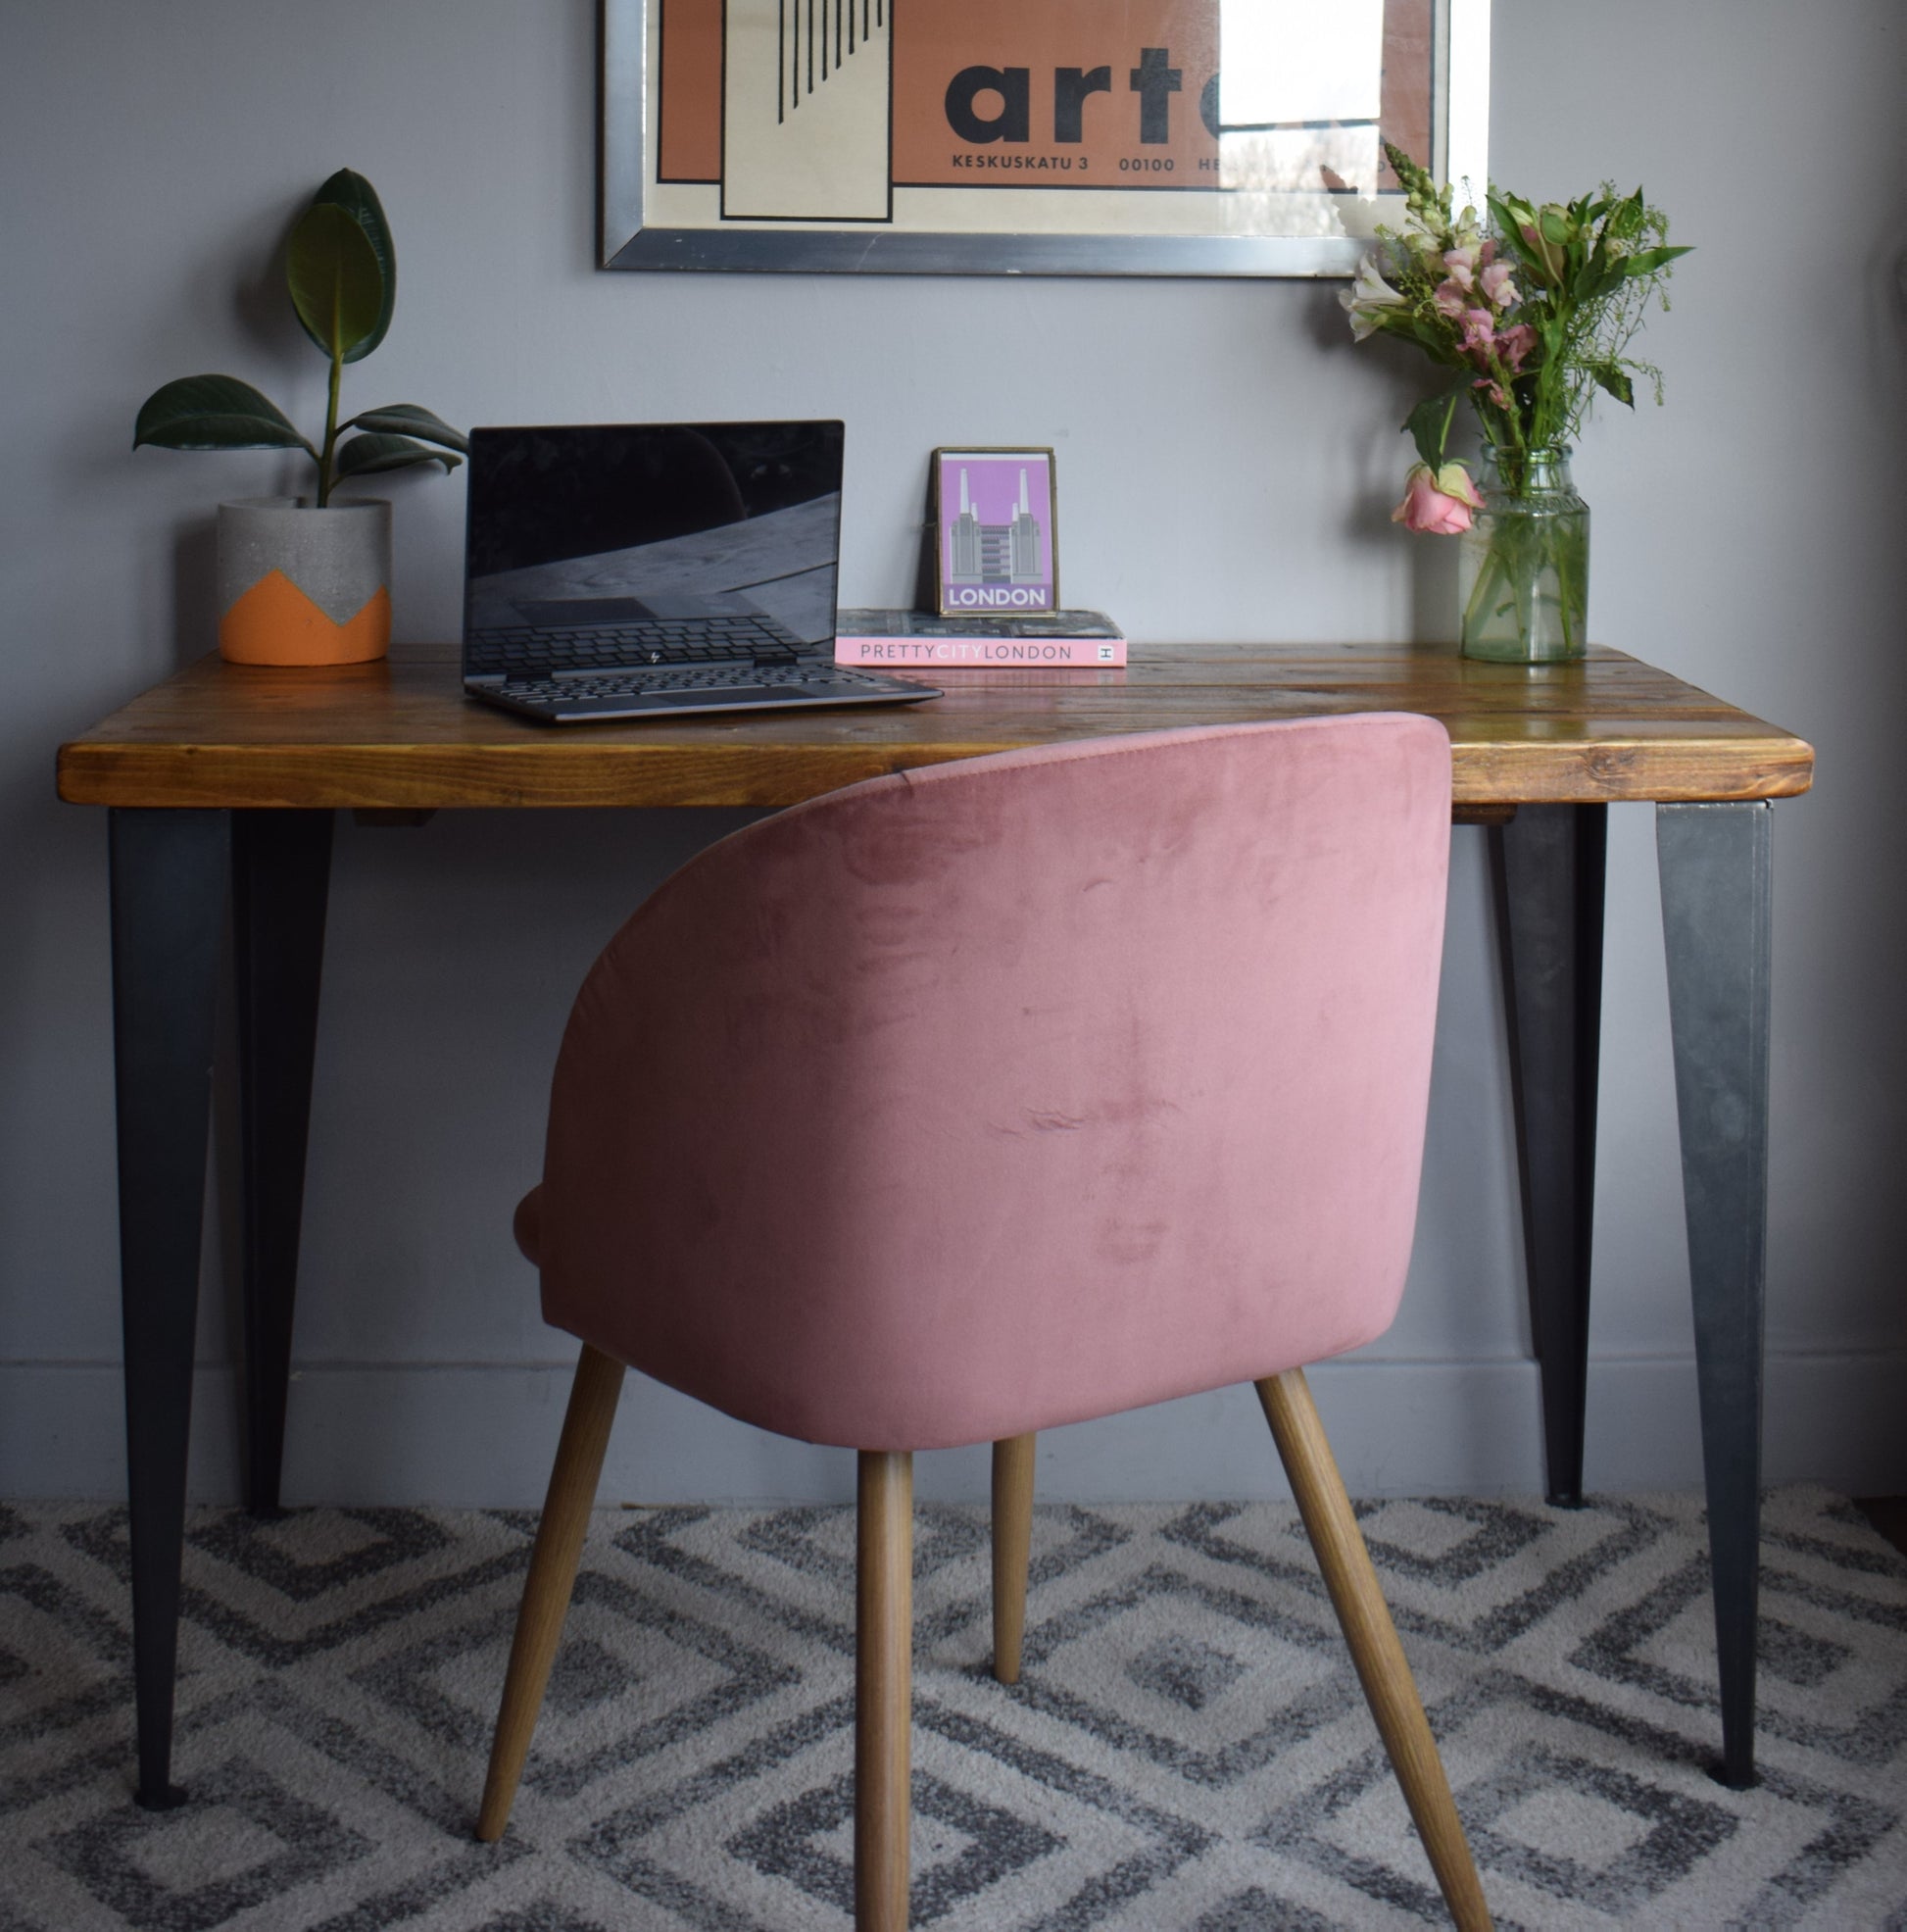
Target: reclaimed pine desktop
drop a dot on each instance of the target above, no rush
(228, 776)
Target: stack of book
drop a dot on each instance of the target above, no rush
(901, 640)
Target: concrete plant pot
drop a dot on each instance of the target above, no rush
(299, 586)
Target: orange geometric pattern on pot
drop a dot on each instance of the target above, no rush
(276, 623)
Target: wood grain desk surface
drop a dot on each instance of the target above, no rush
(400, 734)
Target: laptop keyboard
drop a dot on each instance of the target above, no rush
(660, 640)
(679, 677)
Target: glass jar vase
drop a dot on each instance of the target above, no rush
(1523, 566)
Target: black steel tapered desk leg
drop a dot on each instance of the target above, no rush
(282, 868)
(1717, 875)
(1547, 866)
(168, 904)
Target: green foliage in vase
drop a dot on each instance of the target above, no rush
(341, 273)
(1534, 310)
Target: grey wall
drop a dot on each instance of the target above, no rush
(1228, 463)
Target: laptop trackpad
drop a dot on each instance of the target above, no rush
(720, 694)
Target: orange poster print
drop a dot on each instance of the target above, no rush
(689, 130)
(1042, 136)
(1000, 93)
(992, 94)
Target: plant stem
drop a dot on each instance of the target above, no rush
(1477, 609)
(330, 434)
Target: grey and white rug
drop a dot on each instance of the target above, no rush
(1188, 1748)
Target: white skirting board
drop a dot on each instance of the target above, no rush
(459, 1434)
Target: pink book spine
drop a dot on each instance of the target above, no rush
(978, 652)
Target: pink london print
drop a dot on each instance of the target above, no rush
(997, 532)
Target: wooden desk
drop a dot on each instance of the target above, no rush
(232, 775)
(398, 733)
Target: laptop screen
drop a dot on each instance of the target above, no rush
(606, 524)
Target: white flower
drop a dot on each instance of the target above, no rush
(1426, 241)
(1367, 297)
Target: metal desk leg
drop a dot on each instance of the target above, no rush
(1547, 866)
(167, 900)
(282, 868)
(1716, 882)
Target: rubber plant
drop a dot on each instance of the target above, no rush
(341, 270)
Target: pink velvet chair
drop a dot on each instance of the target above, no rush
(997, 1095)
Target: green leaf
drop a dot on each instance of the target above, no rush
(1648, 260)
(1433, 340)
(365, 456)
(1429, 424)
(359, 199)
(1511, 219)
(336, 284)
(214, 413)
(1612, 377)
(411, 420)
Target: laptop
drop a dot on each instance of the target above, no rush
(656, 569)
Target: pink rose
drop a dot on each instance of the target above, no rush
(1546, 235)
(1438, 502)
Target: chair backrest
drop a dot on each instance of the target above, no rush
(1011, 1091)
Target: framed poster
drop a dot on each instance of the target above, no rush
(996, 540)
(1203, 138)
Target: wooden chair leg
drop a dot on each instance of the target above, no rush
(1356, 1595)
(1012, 1543)
(883, 1689)
(553, 1577)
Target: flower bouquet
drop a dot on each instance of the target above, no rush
(1533, 312)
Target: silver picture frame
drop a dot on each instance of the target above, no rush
(639, 230)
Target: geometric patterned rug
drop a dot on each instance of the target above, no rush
(1188, 1746)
